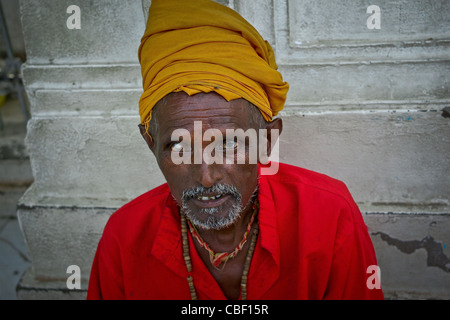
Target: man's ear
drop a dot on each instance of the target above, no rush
(276, 124)
(147, 137)
(270, 148)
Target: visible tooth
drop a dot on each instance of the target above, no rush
(204, 198)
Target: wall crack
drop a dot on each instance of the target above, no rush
(434, 249)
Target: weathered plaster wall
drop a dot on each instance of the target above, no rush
(365, 106)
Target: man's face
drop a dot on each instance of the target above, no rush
(211, 195)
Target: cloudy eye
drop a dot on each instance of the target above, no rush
(230, 144)
(177, 147)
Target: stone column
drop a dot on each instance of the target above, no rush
(86, 152)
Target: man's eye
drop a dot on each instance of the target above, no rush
(230, 144)
(176, 147)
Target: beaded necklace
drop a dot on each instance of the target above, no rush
(219, 258)
(248, 259)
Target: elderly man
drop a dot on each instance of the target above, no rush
(227, 228)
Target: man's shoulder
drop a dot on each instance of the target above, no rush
(300, 181)
(296, 175)
(316, 193)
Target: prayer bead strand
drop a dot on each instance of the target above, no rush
(187, 259)
(248, 260)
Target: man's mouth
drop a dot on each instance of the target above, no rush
(212, 197)
(212, 208)
(210, 201)
(206, 198)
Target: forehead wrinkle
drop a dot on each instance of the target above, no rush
(212, 119)
(198, 107)
(178, 110)
(226, 121)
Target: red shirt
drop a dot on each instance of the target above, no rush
(313, 244)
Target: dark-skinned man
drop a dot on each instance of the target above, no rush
(224, 226)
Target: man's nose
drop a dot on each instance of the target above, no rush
(208, 174)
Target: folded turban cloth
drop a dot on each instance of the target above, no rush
(201, 46)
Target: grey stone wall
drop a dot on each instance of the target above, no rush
(365, 106)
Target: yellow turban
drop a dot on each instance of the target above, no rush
(201, 46)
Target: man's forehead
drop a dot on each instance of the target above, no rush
(180, 110)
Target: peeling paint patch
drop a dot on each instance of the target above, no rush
(435, 253)
(446, 112)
